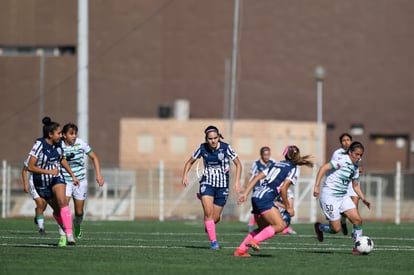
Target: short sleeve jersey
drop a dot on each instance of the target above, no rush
(276, 174)
(258, 167)
(216, 164)
(337, 182)
(47, 157)
(75, 155)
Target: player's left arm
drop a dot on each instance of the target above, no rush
(283, 193)
(99, 179)
(357, 188)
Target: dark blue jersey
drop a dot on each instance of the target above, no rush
(276, 174)
(216, 163)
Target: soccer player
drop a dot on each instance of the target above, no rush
(74, 150)
(258, 166)
(41, 204)
(46, 159)
(279, 176)
(333, 196)
(214, 184)
(346, 139)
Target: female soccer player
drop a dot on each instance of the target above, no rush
(333, 197)
(46, 159)
(258, 166)
(278, 177)
(74, 149)
(41, 204)
(214, 184)
(345, 140)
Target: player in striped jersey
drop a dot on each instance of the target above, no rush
(74, 150)
(45, 162)
(214, 184)
(278, 178)
(41, 204)
(258, 166)
(334, 198)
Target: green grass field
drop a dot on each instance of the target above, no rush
(180, 247)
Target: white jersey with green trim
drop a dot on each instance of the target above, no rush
(343, 173)
(75, 155)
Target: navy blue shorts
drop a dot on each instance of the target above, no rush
(262, 204)
(220, 194)
(46, 192)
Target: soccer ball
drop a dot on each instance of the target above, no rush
(364, 244)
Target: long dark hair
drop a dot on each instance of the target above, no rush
(292, 153)
(49, 126)
(354, 145)
(212, 128)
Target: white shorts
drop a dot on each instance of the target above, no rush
(332, 207)
(351, 192)
(77, 192)
(32, 189)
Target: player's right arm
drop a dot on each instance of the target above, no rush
(252, 183)
(187, 168)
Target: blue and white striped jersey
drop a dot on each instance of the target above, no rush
(276, 174)
(258, 167)
(216, 163)
(75, 155)
(47, 157)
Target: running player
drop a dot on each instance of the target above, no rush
(74, 151)
(46, 159)
(333, 196)
(41, 204)
(346, 139)
(214, 184)
(258, 166)
(279, 176)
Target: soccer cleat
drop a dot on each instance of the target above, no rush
(290, 231)
(355, 251)
(319, 233)
(78, 232)
(62, 241)
(253, 245)
(214, 245)
(240, 253)
(344, 229)
(70, 239)
(42, 231)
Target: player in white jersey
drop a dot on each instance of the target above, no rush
(45, 162)
(214, 184)
(279, 176)
(41, 204)
(346, 139)
(333, 196)
(74, 150)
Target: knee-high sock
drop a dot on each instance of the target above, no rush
(356, 231)
(66, 219)
(40, 221)
(78, 219)
(211, 229)
(252, 221)
(60, 224)
(265, 234)
(249, 236)
(326, 228)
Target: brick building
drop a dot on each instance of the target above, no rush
(146, 54)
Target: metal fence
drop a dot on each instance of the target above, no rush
(158, 194)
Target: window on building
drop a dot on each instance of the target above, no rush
(145, 143)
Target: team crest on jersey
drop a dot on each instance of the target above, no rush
(220, 156)
(203, 188)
